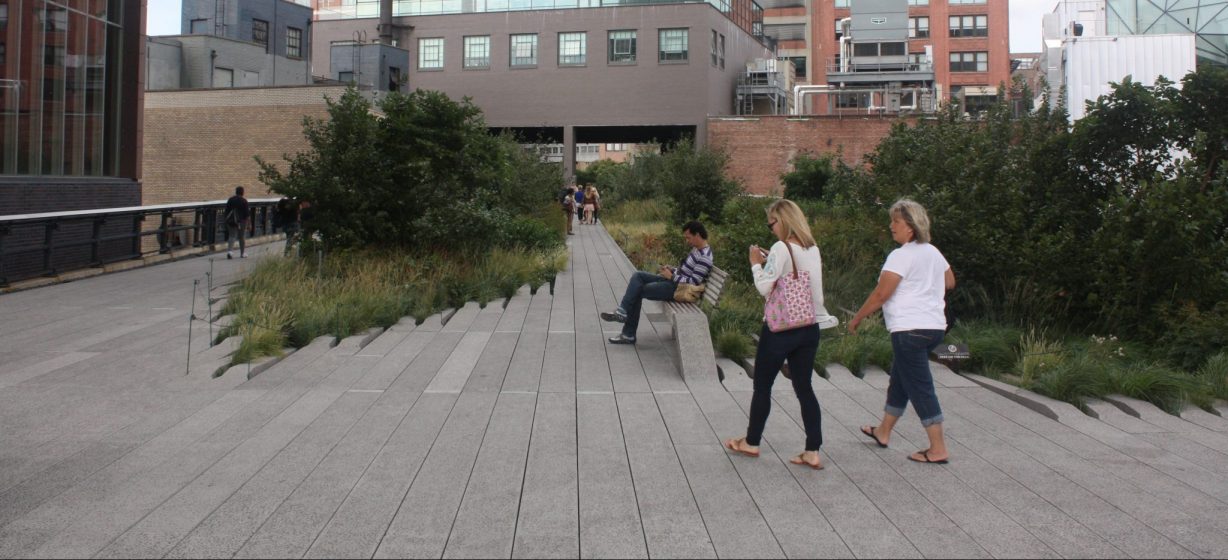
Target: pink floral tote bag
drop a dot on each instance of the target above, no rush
(791, 304)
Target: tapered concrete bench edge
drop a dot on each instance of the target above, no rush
(692, 339)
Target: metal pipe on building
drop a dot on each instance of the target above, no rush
(799, 92)
(385, 22)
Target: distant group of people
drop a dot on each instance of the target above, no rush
(911, 293)
(584, 202)
(288, 216)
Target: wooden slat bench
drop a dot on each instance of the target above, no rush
(692, 340)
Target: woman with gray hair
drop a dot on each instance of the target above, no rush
(911, 292)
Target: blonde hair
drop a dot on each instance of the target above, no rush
(794, 221)
(914, 215)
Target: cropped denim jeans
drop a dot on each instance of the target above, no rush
(911, 380)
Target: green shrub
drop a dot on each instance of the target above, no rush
(1214, 376)
(1038, 355)
(733, 344)
(993, 348)
(695, 182)
(1154, 383)
(809, 178)
(1192, 336)
(529, 234)
(1073, 381)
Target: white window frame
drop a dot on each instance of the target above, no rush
(477, 52)
(573, 48)
(430, 53)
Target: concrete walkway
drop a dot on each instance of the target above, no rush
(515, 431)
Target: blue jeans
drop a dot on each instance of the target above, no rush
(799, 347)
(643, 285)
(911, 380)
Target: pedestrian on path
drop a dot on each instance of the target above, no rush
(236, 214)
(694, 269)
(911, 292)
(568, 201)
(590, 205)
(791, 274)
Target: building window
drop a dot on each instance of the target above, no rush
(572, 49)
(969, 62)
(477, 52)
(721, 51)
(918, 27)
(917, 60)
(615, 147)
(673, 45)
(430, 53)
(622, 47)
(842, 3)
(199, 27)
(918, 2)
(345, 77)
(967, 1)
(839, 30)
(3, 52)
(969, 26)
(294, 42)
(524, 50)
(713, 47)
(260, 33)
(799, 65)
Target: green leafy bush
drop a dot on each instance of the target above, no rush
(1192, 336)
(809, 178)
(733, 344)
(695, 182)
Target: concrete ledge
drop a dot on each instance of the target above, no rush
(696, 355)
(263, 364)
(352, 344)
(1045, 406)
(734, 377)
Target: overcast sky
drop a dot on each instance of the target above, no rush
(1025, 20)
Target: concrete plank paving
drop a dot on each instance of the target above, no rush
(514, 429)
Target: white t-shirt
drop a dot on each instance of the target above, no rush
(779, 264)
(919, 301)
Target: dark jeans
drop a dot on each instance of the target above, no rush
(799, 347)
(643, 285)
(911, 380)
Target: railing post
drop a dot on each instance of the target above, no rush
(163, 243)
(96, 242)
(137, 219)
(197, 221)
(49, 230)
(4, 231)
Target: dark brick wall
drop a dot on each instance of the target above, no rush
(35, 195)
(760, 148)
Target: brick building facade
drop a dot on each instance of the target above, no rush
(760, 148)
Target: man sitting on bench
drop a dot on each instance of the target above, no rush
(660, 287)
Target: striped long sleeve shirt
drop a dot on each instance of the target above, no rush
(695, 267)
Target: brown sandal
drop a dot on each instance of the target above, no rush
(871, 432)
(799, 460)
(735, 445)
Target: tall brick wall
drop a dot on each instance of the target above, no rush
(760, 148)
(200, 144)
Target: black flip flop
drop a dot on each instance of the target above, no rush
(870, 434)
(926, 454)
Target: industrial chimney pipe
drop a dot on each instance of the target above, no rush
(385, 22)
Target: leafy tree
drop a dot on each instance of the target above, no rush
(424, 170)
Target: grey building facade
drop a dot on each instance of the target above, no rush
(282, 27)
(625, 73)
(206, 61)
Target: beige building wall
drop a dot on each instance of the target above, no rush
(200, 144)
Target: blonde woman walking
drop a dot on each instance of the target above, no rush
(794, 258)
(911, 292)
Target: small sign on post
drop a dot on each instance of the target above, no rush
(951, 355)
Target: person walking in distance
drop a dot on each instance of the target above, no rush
(237, 212)
(790, 276)
(911, 292)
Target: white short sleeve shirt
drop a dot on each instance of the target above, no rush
(919, 302)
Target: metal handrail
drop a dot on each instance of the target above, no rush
(205, 226)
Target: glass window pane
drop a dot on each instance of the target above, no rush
(430, 53)
(524, 49)
(572, 49)
(622, 46)
(477, 51)
(673, 45)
